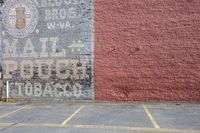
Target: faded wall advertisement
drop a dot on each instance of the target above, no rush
(46, 48)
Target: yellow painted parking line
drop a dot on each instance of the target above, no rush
(37, 125)
(155, 124)
(5, 124)
(102, 127)
(72, 115)
(136, 128)
(10, 113)
(30, 125)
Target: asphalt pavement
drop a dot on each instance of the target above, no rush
(91, 117)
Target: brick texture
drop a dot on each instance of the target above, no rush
(147, 50)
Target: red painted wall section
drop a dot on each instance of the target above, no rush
(147, 50)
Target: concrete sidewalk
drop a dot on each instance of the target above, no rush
(99, 118)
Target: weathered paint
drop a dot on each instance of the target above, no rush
(46, 48)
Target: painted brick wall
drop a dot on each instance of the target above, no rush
(147, 49)
(46, 48)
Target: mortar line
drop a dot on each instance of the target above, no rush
(10, 113)
(72, 115)
(151, 118)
